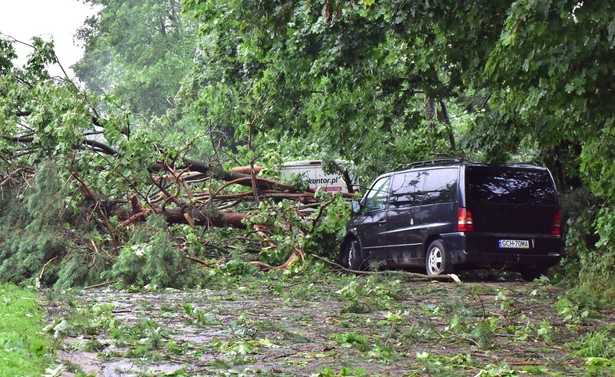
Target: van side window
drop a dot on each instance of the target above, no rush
(377, 196)
(440, 186)
(404, 189)
(415, 188)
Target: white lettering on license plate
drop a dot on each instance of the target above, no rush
(514, 244)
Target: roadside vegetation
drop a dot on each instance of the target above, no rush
(25, 348)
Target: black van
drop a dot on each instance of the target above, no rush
(452, 214)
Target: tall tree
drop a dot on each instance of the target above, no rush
(138, 51)
(386, 81)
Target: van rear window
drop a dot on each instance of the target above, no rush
(507, 185)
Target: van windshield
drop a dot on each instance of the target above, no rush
(508, 185)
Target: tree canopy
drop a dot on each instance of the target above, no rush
(138, 51)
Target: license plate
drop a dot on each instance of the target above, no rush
(514, 244)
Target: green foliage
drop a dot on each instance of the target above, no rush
(149, 258)
(138, 51)
(33, 228)
(24, 349)
(146, 335)
(350, 339)
(445, 365)
(314, 229)
(571, 313)
(598, 349)
(347, 84)
(200, 317)
(83, 320)
(330, 372)
(590, 257)
(599, 343)
(373, 293)
(330, 225)
(237, 267)
(598, 266)
(80, 267)
(7, 56)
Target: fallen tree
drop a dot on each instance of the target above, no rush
(114, 183)
(190, 192)
(273, 235)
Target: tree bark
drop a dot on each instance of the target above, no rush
(218, 173)
(444, 118)
(195, 216)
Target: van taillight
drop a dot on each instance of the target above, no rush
(556, 227)
(464, 220)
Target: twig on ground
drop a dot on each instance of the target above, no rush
(45, 267)
(413, 275)
(205, 263)
(100, 285)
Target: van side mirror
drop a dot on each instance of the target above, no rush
(356, 206)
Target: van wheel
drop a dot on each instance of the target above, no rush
(351, 255)
(437, 260)
(529, 274)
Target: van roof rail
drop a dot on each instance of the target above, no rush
(435, 161)
(524, 163)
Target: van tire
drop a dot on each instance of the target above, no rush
(437, 259)
(529, 274)
(351, 255)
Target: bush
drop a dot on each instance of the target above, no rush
(150, 258)
(589, 261)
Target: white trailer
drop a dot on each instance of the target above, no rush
(313, 171)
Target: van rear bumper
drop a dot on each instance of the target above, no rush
(482, 250)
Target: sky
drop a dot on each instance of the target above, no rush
(48, 19)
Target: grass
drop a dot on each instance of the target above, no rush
(25, 349)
